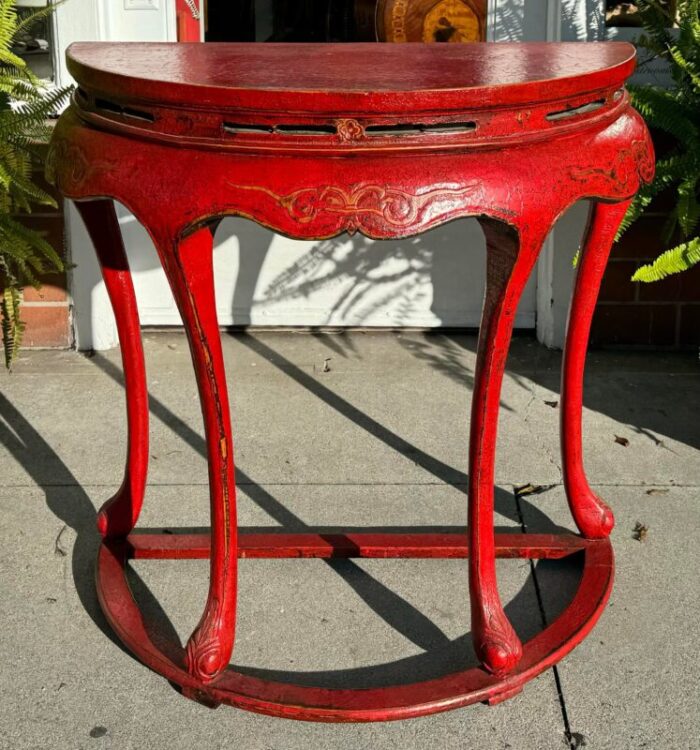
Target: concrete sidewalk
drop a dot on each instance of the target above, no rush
(378, 440)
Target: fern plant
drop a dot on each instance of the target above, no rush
(25, 105)
(675, 111)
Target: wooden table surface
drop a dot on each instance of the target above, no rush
(375, 77)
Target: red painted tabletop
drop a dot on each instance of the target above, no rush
(368, 77)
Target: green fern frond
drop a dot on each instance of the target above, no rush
(688, 206)
(675, 260)
(669, 172)
(30, 138)
(656, 21)
(685, 65)
(8, 23)
(689, 24)
(27, 22)
(43, 251)
(17, 87)
(662, 109)
(16, 180)
(11, 324)
(9, 58)
(24, 267)
(674, 111)
(31, 113)
(636, 209)
(26, 74)
(25, 105)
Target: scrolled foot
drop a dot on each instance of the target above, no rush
(209, 648)
(118, 515)
(593, 517)
(498, 647)
(204, 655)
(103, 522)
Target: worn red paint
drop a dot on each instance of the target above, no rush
(314, 140)
(167, 546)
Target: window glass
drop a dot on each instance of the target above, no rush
(35, 43)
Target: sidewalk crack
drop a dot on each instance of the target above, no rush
(574, 740)
(535, 434)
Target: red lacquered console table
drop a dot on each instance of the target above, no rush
(312, 141)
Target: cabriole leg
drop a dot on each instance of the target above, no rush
(119, 515)
(510, 259)
(592, 516)
(188, 265)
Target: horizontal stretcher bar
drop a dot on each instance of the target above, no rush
(166, 546)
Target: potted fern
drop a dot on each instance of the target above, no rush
(676, 112)
(25, 105)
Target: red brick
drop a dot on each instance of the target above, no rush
(634, 325)
(46, 326)
(616, 286)
(52, 290)
(690, 325)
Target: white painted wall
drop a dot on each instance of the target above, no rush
(264, 279)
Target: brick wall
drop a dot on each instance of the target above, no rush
(663, 314)
(46, 311)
